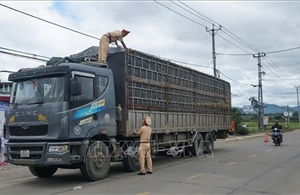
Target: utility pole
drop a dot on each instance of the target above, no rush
(213, 32)
(287, 118)
(260, 93)
(297, 89)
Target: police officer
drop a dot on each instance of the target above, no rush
(144, 149)
(108, 38)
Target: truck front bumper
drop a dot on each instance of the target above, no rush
(41, 153)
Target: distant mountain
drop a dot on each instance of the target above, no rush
(272, 109)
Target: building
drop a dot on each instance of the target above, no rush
(5, 89)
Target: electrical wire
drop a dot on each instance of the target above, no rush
(284, 50)
(276, 73)
(285, 76)
(180, 14)
(270, 52)
(207, 20)
(233, 36)
(190, 11)
(23, 52)
(23, 56)
(232, 54)
(281, 37)
(234, 80)
(233, 44)
(48, 21)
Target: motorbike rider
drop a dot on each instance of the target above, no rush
(279, 128)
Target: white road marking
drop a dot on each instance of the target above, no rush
(232, 163)
(195, 176)
(144, 193)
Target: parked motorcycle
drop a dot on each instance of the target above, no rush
(276, 136)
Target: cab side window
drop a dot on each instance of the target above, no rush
(87, 85)
(102, 84)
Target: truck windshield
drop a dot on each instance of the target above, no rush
(39, 90)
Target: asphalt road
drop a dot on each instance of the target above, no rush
(239, 166)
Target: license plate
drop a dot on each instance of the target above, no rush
(24, 153)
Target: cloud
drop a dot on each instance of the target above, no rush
(264, 26)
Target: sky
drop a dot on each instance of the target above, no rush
(173, 30)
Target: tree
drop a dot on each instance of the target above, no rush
(236, 116)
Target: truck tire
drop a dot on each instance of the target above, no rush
(197, 147)
(43, 172)
(209, 143)
(130, 161)
(97, 162)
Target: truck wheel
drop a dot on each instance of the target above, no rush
(197, 147)
(43, 172)
(97, 162)
(209, 143)
(130, 159)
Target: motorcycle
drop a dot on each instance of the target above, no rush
(276, 136)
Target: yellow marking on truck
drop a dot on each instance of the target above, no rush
(144, 193)
(232, 163)
(85, 121)
(253, 156)
(195, 176)
(12, 119)
(42, 118)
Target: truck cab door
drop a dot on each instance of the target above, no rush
(82, 115)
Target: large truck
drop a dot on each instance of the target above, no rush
(76, 113)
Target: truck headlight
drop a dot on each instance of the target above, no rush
(59, 149)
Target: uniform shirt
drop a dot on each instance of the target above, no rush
(116, 36)
(145, 133)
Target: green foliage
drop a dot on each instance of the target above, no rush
(236, 115)
(240, 130)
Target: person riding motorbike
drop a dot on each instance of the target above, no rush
(279, 128)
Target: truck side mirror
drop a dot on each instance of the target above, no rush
(75, 88)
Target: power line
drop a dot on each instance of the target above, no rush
(234, 54)
(280, 79)
(186, 63)
(23, 56)
(190, 11)
(270, 52)
(234, 80)
(233, 44)
(239, 40)
(245, 43)
(277, 73)
(282, 50)
(23, 52)
(281, 72)
(232, 94)
(199, 13)
(216, 23)
(281, 37)
(49, 21)
(180, 14)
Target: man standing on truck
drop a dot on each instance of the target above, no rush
(144, 148)
(108, 38)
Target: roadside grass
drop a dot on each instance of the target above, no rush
(253, 127)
